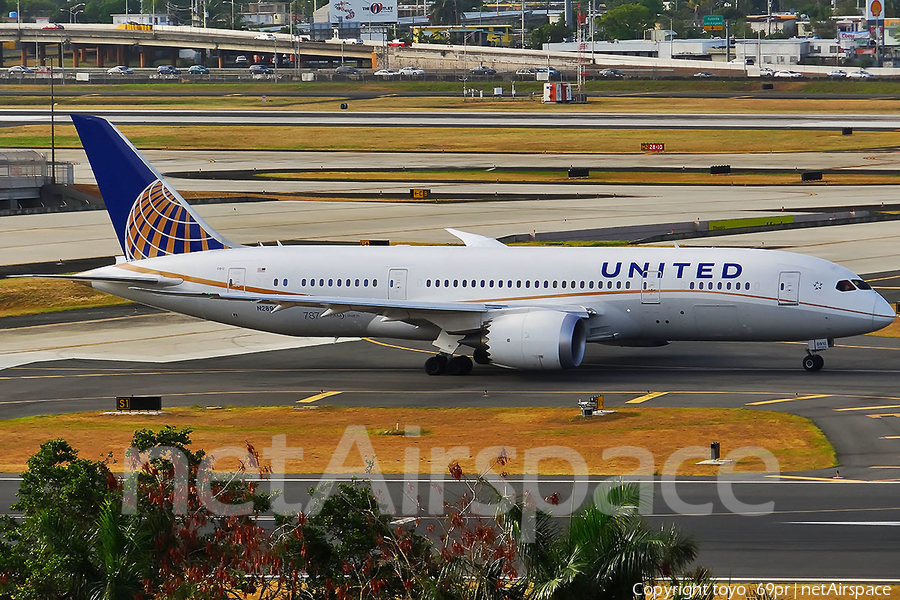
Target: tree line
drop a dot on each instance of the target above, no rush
(75, 541)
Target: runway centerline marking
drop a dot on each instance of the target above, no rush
(809, 397)
(867, 408)
(321, 396)
(645, 397)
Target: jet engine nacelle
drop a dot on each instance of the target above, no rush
(538, 340)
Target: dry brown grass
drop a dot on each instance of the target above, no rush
(418, 139)
(32, 296)
(795, 441)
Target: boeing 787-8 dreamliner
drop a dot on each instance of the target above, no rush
(524, 308)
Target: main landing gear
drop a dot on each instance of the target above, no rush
(448, 365)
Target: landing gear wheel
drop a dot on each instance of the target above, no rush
(813, 362)
(820, 362)
(436, 365)
(481, 357)
(459, 365)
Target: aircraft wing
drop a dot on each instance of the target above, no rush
(337, 303)
(154, 280)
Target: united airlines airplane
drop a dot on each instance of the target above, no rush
(523, 308)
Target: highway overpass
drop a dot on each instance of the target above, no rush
(107, 45)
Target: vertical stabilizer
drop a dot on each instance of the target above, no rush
(149, 216)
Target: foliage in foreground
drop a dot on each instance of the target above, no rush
(76, 541)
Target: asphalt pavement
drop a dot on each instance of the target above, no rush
(469, 119)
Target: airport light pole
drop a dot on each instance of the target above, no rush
(74, 10)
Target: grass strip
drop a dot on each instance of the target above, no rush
(795, 441)
(611, 104)
(453, 139)
(34, 296)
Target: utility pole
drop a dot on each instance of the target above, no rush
(523, 24)
(52, 130)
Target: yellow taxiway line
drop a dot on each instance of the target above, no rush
(867, 407)
(810, 397)
(321, 396)
(829, 479)
(646, 397)
(879, 415)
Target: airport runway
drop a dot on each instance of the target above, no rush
(467, 119)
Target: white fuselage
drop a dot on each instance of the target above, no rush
(633, 295)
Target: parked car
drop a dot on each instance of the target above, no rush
(837, 73)
(411, 72)
(347, 70)
(53, 26)
(704, 75)
(398, 43)
(788, 74)
(198, 70)
(352, 41)
(269, 37)
(386, 73)
(483, 71)
(526, 71)
(553, 73)
(859, 74)
(19, 69)
(241, 60)
(610, 73)
(120, 70)
(167, 70)
(766, 72)
(260, 70)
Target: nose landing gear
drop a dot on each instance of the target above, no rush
(813, 362)
(453, 365)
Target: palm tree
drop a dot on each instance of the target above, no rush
(604, 552)
(121, 551)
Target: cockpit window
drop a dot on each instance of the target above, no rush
(861, 284)
(845, 286)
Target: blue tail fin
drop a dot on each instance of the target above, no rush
(149, 216)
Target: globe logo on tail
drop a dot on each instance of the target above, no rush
(159, 225)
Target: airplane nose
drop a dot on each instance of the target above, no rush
(882, 313)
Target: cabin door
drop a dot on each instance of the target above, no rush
(789, 288)
(397, 284)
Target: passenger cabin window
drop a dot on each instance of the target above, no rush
(845, 286)
(861, 284)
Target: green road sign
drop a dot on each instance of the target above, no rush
(713, 20)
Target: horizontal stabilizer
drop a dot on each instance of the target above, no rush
(141, 280)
